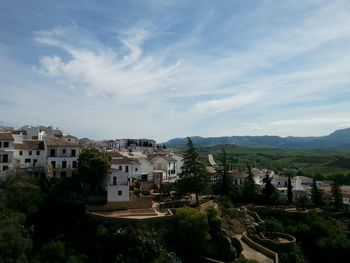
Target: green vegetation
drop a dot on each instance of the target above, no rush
(319, 237)
(93, 166)
(328, 162)
(193, 178)
(316, 195)
(250, 191)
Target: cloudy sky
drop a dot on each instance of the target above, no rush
(164, 69)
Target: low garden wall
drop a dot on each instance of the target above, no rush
(268, 241)
(263, 250)
(133, 203)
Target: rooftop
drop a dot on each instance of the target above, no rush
(60, 142)
(30, 145)
(6, 136)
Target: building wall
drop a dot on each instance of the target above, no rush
(118, 187)
(22, 160)
(133, 169)
(62, 154)
(6, 153)
(179, 163)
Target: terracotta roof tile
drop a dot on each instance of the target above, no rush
(60, 142)
(6, 136)
(30, 145)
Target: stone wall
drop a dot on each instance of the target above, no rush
(133, 203)
(263, 250)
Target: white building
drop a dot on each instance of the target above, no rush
(111, 145)
(118, 186)
(30, 154)
(6, 151)
(70, 138)
(125, 164)
(62, 157)
(166, 164)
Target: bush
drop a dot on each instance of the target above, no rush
(272, 225)
(237, 245)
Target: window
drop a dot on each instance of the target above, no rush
(5, 167)
(120, 167)
(144, 177)
(114, 180)
(74, 164)
(5, 158)
(21, 153)
(126, 168)
(35, 162)
(64, 151)
(53, 164)
(120, 192)
(64, 164)
(73, 153)
(27, 160)
(0, 144)
(30, 152)
(136, 169)
(6, 144)
(52, 153)
(37, 152)
(63, 174)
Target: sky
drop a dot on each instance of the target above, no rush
(159, 69)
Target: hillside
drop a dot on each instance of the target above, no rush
(337, 139)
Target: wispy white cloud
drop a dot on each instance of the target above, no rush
(178, 70)
(104, 71)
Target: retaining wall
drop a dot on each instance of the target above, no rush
(263, 250)
(133, 203)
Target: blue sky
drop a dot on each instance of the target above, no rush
(165, 69)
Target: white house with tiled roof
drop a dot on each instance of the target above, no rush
(124, 164)
(70, 138)
(6, 151)
(62, 157)
(30, 154)
(118, 186)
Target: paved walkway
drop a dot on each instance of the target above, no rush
(250, 253)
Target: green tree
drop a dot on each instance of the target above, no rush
(15, 243)
(316, 195)
(269, 192)
(56, 252)
(193, 178)
(190, 233)
(22, 194)
(93, 166)
(249, 187)
(302, 202)
(290, 190)
(337, 196)
(225, 179)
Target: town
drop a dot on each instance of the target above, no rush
(137, 181)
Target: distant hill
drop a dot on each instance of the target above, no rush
(339, 138)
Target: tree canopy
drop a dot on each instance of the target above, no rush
(193, 178)
(249, 187)
(93, 166)
(316, 195)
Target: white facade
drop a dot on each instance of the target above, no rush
(30, 154)
(6, 151)
(179, 162)
(118, 186)
(71, 139)
(62, 157)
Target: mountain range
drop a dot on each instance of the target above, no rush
(337, 139)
